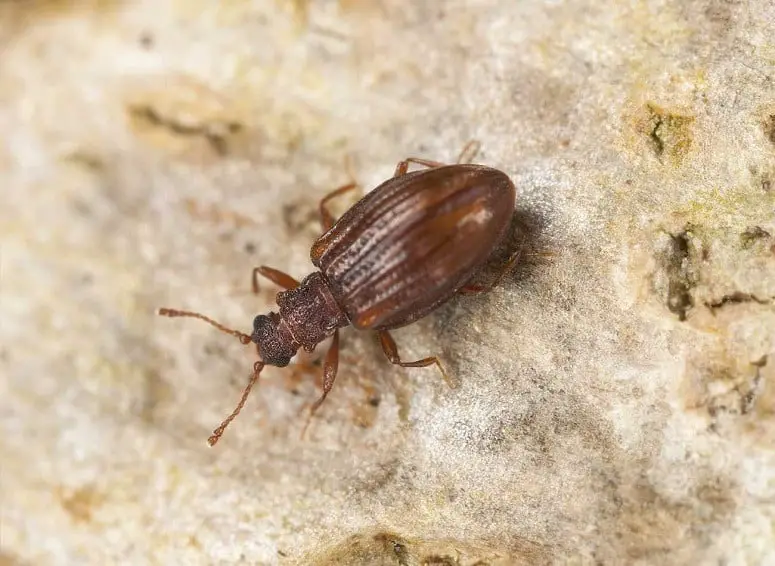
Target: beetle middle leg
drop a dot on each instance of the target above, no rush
(276, 276)
(391, 351)
(326, 218)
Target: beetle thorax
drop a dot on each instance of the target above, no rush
(308, 315)
(310, 311)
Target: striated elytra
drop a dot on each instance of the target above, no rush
(400, 252)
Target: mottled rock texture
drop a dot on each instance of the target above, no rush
(616, 399)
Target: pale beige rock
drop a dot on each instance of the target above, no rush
(616, 401)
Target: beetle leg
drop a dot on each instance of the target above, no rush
(326, 218)
(467, 155)
(330, 368)
(391, 351)
(275, 276)
(469, 151)
(477, 288)
(403, 166)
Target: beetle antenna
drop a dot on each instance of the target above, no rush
(244, 338)
(218, 432)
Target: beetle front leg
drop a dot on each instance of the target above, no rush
(279, 278)
(330, 369)
(391, 351)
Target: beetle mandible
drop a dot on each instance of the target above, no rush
(400, 252)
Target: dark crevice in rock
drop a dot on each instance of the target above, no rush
(743, 399)
(769, 127)
(737, 298)
(216, 133)
(748, 399)
(669, 133)
(656, 141)
(752, 235)
(680, 282)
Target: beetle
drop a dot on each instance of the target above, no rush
(403, 250)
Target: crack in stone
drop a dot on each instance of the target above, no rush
(680, 282)
(736, 298)
(216, 133)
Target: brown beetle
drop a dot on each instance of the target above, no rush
(401, 251)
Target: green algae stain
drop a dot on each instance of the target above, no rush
(670, 134)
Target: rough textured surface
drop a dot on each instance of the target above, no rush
(616, 401)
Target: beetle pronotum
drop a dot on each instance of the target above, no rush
(405, 248)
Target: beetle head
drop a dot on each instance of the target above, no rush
(275, 343)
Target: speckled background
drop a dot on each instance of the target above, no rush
(616, 399)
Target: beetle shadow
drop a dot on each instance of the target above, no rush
(525, 232)
(525, 235)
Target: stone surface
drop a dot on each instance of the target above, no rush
(616, 399)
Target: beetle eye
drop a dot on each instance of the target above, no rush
(260, 324)
(263, 328)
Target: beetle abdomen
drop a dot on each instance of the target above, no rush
(412, 242)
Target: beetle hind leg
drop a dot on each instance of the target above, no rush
(403, 166)
(508, 267)
(391, 351)
(469, 152)
(467, 155)
(326, 218)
